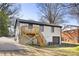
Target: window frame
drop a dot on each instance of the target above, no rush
(52, 29)
(42, 28)
(30, 26)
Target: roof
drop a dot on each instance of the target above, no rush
(35, 22)
(71, 27)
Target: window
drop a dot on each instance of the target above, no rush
(41, 28)
(52, 29)
(30, 26)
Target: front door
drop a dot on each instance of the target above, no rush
(56, 39)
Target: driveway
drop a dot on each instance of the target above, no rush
(9, 44)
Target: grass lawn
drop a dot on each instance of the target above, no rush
(64, 49)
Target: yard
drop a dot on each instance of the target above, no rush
(65, 49)
(31, 51)
(8, 47)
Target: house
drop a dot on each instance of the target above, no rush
(71, 34)
(11, 31)
(38, 33)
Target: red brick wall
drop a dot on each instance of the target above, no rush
(71, 36)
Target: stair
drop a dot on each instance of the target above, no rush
(40, 39)
(25, 32)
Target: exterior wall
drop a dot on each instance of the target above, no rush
(71, 36)
(17, 33)
(46, 33)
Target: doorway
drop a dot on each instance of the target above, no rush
(56, 40)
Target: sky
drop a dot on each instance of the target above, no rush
(29, 11)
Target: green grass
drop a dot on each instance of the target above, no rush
(76, 48)
(63, 45)
(65, 51)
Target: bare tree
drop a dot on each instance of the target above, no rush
(52, 12)
(10, 8)
(74, 11)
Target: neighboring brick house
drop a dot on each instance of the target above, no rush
(71, 35)
(49, 32)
